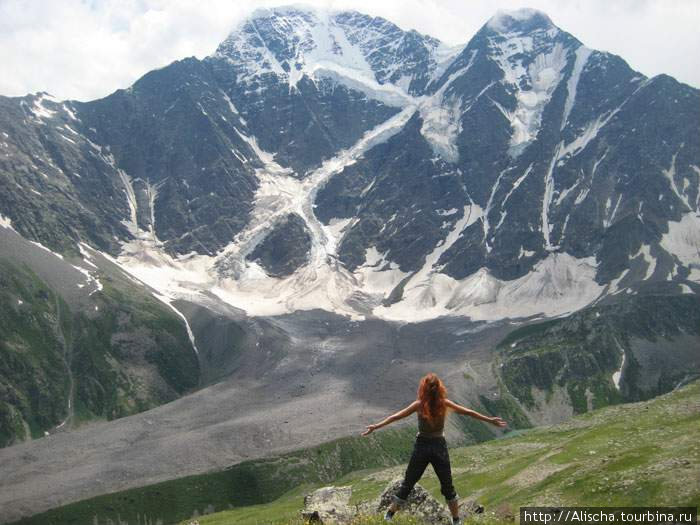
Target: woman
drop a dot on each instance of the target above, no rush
(430, 446)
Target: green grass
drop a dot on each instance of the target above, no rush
(626, 455)
(39, 333)
(283, 479)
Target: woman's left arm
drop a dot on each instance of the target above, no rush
(410, 409)
(473, 413)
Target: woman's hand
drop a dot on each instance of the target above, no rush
(370, 429)
(497, 421)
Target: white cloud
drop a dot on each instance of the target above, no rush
(87, 49)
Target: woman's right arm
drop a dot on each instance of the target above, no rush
(473, 413)
(410, 409)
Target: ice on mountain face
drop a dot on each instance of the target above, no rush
(508, 20)
(388, 94)
(610, 216)
(547, 200)
(441, 126)
(39, 108)
(70, 113)
(421, 279)
(582, 54)
(683, 239)
(5, 222)
(406, 59)
(533, 84)
(367, 52)
(645, 253)
(321, 283)
(292, 42)
(557, 285)
(670, 175)
(441, 115)
(489, 205)
(618, 374)
(378, 275)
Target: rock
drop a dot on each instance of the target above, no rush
(420, 504)
(471, 507)
(329, 505)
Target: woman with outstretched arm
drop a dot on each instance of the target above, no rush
(430, 446)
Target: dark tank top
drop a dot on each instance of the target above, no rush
(426, 429)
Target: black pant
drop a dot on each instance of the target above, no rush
(433, 451)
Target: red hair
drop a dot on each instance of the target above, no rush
(431, 395)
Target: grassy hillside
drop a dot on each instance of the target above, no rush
(578, 354)
(243, 485)
(637, 454)
(60, 364)
(627, 455)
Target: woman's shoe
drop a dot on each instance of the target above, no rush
(388, 516)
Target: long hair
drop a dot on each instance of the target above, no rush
(431, 395)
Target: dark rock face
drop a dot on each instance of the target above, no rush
(55, 185)
(67, 357)
(285, 248)
(519, 149)
(601, 355)
(557, 148)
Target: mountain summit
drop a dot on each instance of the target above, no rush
(290, 42)
(521, 20)
(334, 160)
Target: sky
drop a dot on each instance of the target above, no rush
(86, 49)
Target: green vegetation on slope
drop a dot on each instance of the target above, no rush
(636, 454)
(627, 455)
(243, 485)
(129, 354)
(33, 378)
(579, 353)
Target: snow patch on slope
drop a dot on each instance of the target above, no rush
(670, 175)
(683, 239)
(617, 375)
(5, 222)
(441, 115)
(541, 77)
(378, 274)
(582, 54)
(557, 285)
(645, 252)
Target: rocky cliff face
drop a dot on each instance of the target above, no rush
(522, 173)
(334, 161)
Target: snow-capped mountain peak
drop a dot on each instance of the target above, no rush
(520, 20)
(290, 42)
(533, 55)
(334, 160)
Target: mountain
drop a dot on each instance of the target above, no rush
(323, 199)
(418, 180)
(521, 174)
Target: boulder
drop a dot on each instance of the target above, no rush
(419, 503)
(329, 505)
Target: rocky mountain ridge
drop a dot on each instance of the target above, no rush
(520, 174)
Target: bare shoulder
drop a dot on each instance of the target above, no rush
(454, 406)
